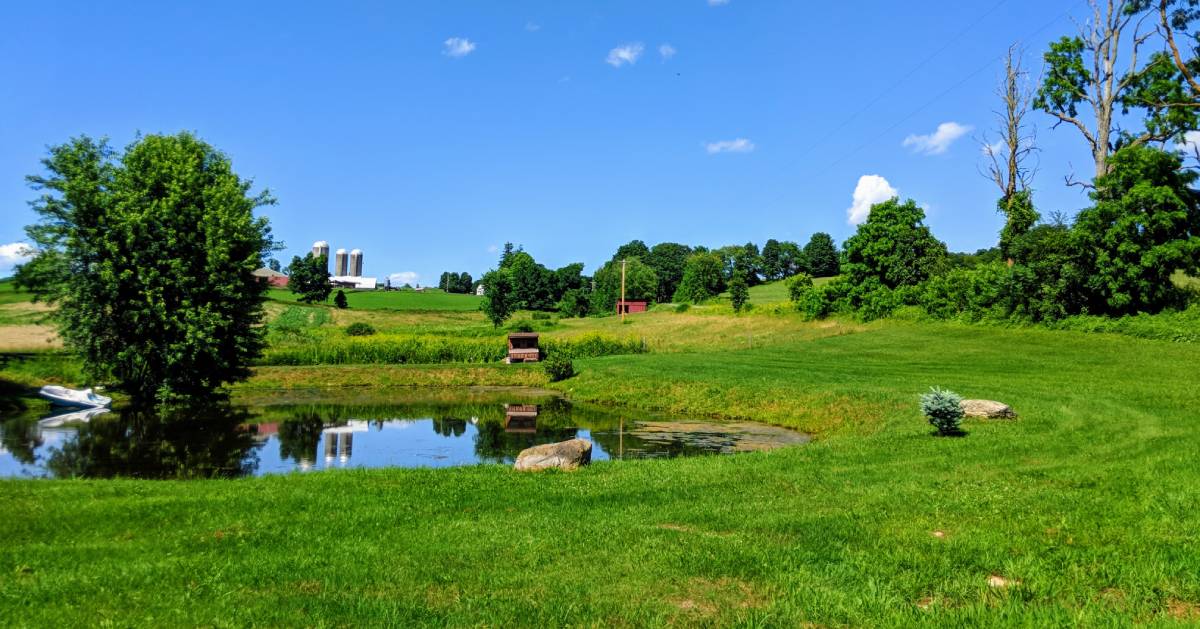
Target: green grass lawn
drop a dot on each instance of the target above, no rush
(10, 295)
(430, 299)
(1086, 506)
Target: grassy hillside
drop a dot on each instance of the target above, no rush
(771, 292)
(429, 299)
(1081, 512)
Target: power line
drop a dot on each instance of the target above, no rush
(936, 99)
(901, 80)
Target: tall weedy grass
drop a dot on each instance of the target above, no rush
(429, 349)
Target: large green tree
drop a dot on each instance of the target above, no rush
(893, 248)
(821, 256)
(310, 278)
(1144, 226)
(703, 277)
(155, 249)
(499, 301)
(668, 260)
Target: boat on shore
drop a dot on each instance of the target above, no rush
(78, 398)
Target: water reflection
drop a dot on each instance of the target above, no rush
(231, 441)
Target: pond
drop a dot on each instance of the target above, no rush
(307, 431)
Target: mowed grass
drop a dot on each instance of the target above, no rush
(429, 300)
(771, 293)
(1082, 512)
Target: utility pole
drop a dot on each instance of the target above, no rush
(622, 302)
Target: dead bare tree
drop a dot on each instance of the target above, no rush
(1171, 19)
(1008, 156)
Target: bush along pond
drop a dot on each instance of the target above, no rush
(308, 431)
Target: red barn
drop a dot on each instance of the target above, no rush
(629, 306)
(274, 278)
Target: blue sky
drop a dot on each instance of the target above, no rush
(428, 134)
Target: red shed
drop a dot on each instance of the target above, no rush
(629, 306)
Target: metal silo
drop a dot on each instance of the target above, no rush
(356, 263)
(320, 248)
(340, 266)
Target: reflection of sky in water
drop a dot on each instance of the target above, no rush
(284, 439)
(395, 443)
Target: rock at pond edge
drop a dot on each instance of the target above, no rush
(989, 409)
(564, 455)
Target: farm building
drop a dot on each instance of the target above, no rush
(274, 278)
(628, 306)
(523, 347)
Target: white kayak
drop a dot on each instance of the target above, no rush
(62, 396)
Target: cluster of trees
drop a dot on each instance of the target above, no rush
(1116, 258)
(452, 282)
(666, 272)
(309, 278)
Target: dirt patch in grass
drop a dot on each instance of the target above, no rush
(702, 598)
(1183, 610)
(15, 338)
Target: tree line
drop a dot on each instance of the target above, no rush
(666, 272)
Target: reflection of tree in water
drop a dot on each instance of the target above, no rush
(299, 437)
(495, 445)
(449, 426)
(20, 437)
(194, 444)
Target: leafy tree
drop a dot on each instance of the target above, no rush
(154, 250)
(1020, 218)
(310, 278)
(632, 249)
(739, 293)
(668, 260)
(893, 248)
(533, 284)
(641, 282)
(791, 259)
(569, 277)
(703, 277)
(339, 300)
(772, 260)
(821, 256)
(274, 265)
(1084, 71)
(575, 303)
(465, 282)
(498, 298)
(1144, 226)
(799, 286)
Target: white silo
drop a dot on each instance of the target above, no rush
(340, 266)
(320, 248)
(356, 263)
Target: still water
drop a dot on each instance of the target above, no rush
(316, 431)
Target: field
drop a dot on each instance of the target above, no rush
(430, 299)
(1081, 512)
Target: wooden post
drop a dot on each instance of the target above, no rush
(622, 302)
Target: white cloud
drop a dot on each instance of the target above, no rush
(404, 277)
(457, 47)
(995, 148)
(740, 145)
(11, 255)
(666, 51)
(717, 3)
(939, 141)
(625, 53)
(871, 189)
(493, 248)
(533, 27)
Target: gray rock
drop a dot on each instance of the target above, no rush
(564, 455)
(989, 409)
